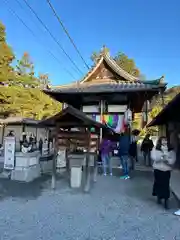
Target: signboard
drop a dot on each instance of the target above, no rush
(9, 153)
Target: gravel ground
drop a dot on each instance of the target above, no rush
(114, 209)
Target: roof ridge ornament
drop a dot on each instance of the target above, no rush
(162, 79)
(105, 51)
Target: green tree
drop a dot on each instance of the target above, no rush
(16, 99)
(127, 64)
(25, 65)
(25, 72)
(6, 57)
(122, 60)
(44, 79)
(27, 102)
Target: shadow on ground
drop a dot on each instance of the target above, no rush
(140, 188)
(144, 193)
(26, 191)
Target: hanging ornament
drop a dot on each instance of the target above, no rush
(128, 116)
(145, 113)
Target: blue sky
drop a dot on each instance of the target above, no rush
(147, 31)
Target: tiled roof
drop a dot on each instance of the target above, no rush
(19, 120)
(113, 65)
(72, 114)
(125, 82)
(103, 87)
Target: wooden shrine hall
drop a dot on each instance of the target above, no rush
(73, 132)
(107, 91)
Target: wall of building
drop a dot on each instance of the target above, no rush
(173, 132)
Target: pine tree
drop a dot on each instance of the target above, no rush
(6, 58)
(25, 65)
(25, 72)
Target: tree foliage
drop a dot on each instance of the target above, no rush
(158, 105)
(27, 102)
(122, 60)
(6, 57)
(22, 95)
(127, 64)
(44, 80)
(25, 65)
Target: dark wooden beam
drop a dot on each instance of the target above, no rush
(87, 168)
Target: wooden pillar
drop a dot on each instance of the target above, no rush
(162, 98)
(67, 154)
(87, 167)
(145, 112)
(53, 179)
(3, 131)
(95, 169)
(101, 116)
(146, 109)
(167, 132)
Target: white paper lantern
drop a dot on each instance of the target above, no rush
(128, 116)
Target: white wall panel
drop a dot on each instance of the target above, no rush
(91, 109)
(117, 108)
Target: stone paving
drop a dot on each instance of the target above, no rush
(114, 209)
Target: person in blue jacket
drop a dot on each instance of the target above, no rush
(124, 146)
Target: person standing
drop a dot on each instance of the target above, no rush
(106, 147)
(124, 145)
(133, 151)
(163, 157)
(146, 148)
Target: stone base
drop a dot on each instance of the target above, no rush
(46, 166)
(26, 174)
(27, 159)
(76, 160)
(76, 177)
